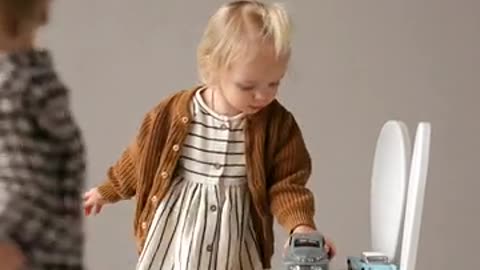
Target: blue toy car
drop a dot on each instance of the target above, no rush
(370, 261)
(306, 252)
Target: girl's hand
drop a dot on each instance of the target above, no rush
(92, 200)
(329, 245)
(330, 248)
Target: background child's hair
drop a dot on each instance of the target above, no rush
(237, 27)
(16, 14)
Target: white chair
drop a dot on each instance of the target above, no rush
(397, 192)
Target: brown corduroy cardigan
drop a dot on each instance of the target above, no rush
(278, 167)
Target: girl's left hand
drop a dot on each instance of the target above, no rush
(329, 245)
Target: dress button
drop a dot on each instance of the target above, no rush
(176, 148)
(223, 126)
(144, 225)
(209, 248)
(213, 208)
(185, 119)
(154, 199)
(164, 174)
(217, 166)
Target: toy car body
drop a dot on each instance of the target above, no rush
(306, 252)
(370, 261)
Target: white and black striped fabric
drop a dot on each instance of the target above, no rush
(42, 164)
(204, 222)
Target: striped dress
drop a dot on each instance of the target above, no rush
(204, 221)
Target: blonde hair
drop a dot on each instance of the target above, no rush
(238, 25)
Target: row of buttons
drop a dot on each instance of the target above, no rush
(164, 174)
(213, 208)
(175, 148)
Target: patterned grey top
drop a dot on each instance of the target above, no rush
(42, 163)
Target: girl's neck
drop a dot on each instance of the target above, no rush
(217, 102)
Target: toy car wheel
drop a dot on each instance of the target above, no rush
(349, 265)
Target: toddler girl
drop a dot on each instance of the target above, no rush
(212, 165)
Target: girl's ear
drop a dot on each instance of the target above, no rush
(213, 80)
(212, 76)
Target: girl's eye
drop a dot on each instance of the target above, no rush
(246, 87)
(275, 84)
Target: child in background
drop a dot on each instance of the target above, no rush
(41, 150)
(212, 165)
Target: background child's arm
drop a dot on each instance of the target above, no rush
(122, 177)
(290, 200)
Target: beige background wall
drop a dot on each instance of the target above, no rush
(356, 65)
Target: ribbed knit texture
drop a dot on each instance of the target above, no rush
(204, 220)
(277, 161)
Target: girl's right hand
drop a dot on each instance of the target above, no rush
(92, 200)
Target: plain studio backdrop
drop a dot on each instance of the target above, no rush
(356, 64)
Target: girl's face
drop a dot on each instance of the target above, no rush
(251, 83)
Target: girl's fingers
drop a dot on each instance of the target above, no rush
(330, 248)
(88, 210)
(86, 195)
(98, 208)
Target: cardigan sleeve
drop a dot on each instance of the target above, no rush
(291, 202)
(122, 176)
